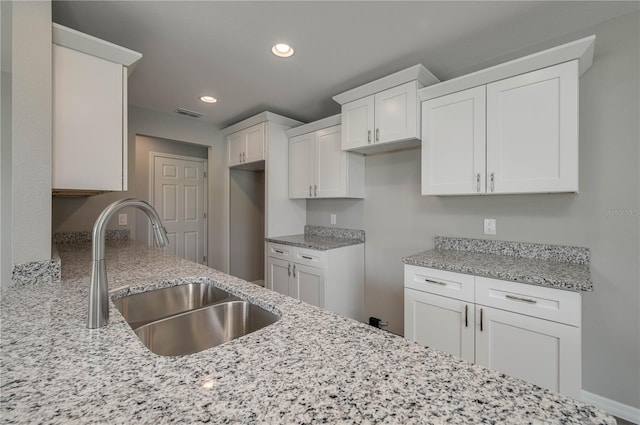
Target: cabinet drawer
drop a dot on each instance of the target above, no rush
(310, 257)
(284, 252)
(439, 282)
(546, 303)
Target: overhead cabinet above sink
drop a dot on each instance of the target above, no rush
(89, 112)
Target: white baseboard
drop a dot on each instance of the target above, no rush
(626, 412)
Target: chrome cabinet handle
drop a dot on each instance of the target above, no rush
(306, 257)
(377, 134)
(478, 182)
(480, 320)
(294, 270)
(244, 157)
(279, 251)
(315, 190)
(524, 300)
(309, 191)
(435, 282)
(240, 155)
(289, 269)
(493, 181)
(368, 136)
(466, 315)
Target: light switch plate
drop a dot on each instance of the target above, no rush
(489, 226)
(333, 219)
(122, 219)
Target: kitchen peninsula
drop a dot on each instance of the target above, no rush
(310, 366)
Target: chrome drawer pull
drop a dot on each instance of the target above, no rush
(435, 282)
(524, 300)
(306, 257)
(278, 251)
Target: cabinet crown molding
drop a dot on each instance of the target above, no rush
(415, 73)
(314, 126)
(260, 118)
(581, 49)
(76, 40)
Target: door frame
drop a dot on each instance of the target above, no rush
(152, 183)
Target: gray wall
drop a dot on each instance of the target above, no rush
(75, 215)
(246, 224)
(144, 146)
(603, 217)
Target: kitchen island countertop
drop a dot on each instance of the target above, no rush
(310, 366)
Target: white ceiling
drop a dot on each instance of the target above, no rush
(223, 48)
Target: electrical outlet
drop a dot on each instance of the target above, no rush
(122, 219)
(489, 226)
(333, 219)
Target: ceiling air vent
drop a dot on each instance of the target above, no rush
(192, 114)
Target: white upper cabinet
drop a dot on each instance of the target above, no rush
(358, 123)
(384, 114)
(302, 165)
(396, 114)
(532, 131)
(89, 137)
(246, 146)
(318, 168)
(516, 133)
(453, 143)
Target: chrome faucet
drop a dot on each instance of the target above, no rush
(98, 289)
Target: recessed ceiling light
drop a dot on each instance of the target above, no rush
(282, 50)
(208, 99)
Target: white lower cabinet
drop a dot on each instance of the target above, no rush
(539, 351)
(526, 331)
(332, 279)
(454, 333)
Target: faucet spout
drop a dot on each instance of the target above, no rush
(98, 288)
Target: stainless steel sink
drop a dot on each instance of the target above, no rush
(207, 327)
(186, 319)
(147, 307)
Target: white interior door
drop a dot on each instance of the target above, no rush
(179, 198)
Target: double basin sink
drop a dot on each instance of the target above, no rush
(189, 318)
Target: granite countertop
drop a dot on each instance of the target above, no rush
(546, 265)
(310, 366)
(322, 238)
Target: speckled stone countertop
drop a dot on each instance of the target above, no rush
(554, 266)
(311, 366)
(322, 238)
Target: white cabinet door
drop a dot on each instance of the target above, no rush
(89, 97)
(302, 166)
(357, 123)
(235, 148)
(453, 143)
(279, 273)
(439, 322)
(539, 351)
(396, 114)
(532, 131)
(254, 137)
(330, 164)
(309, 283)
